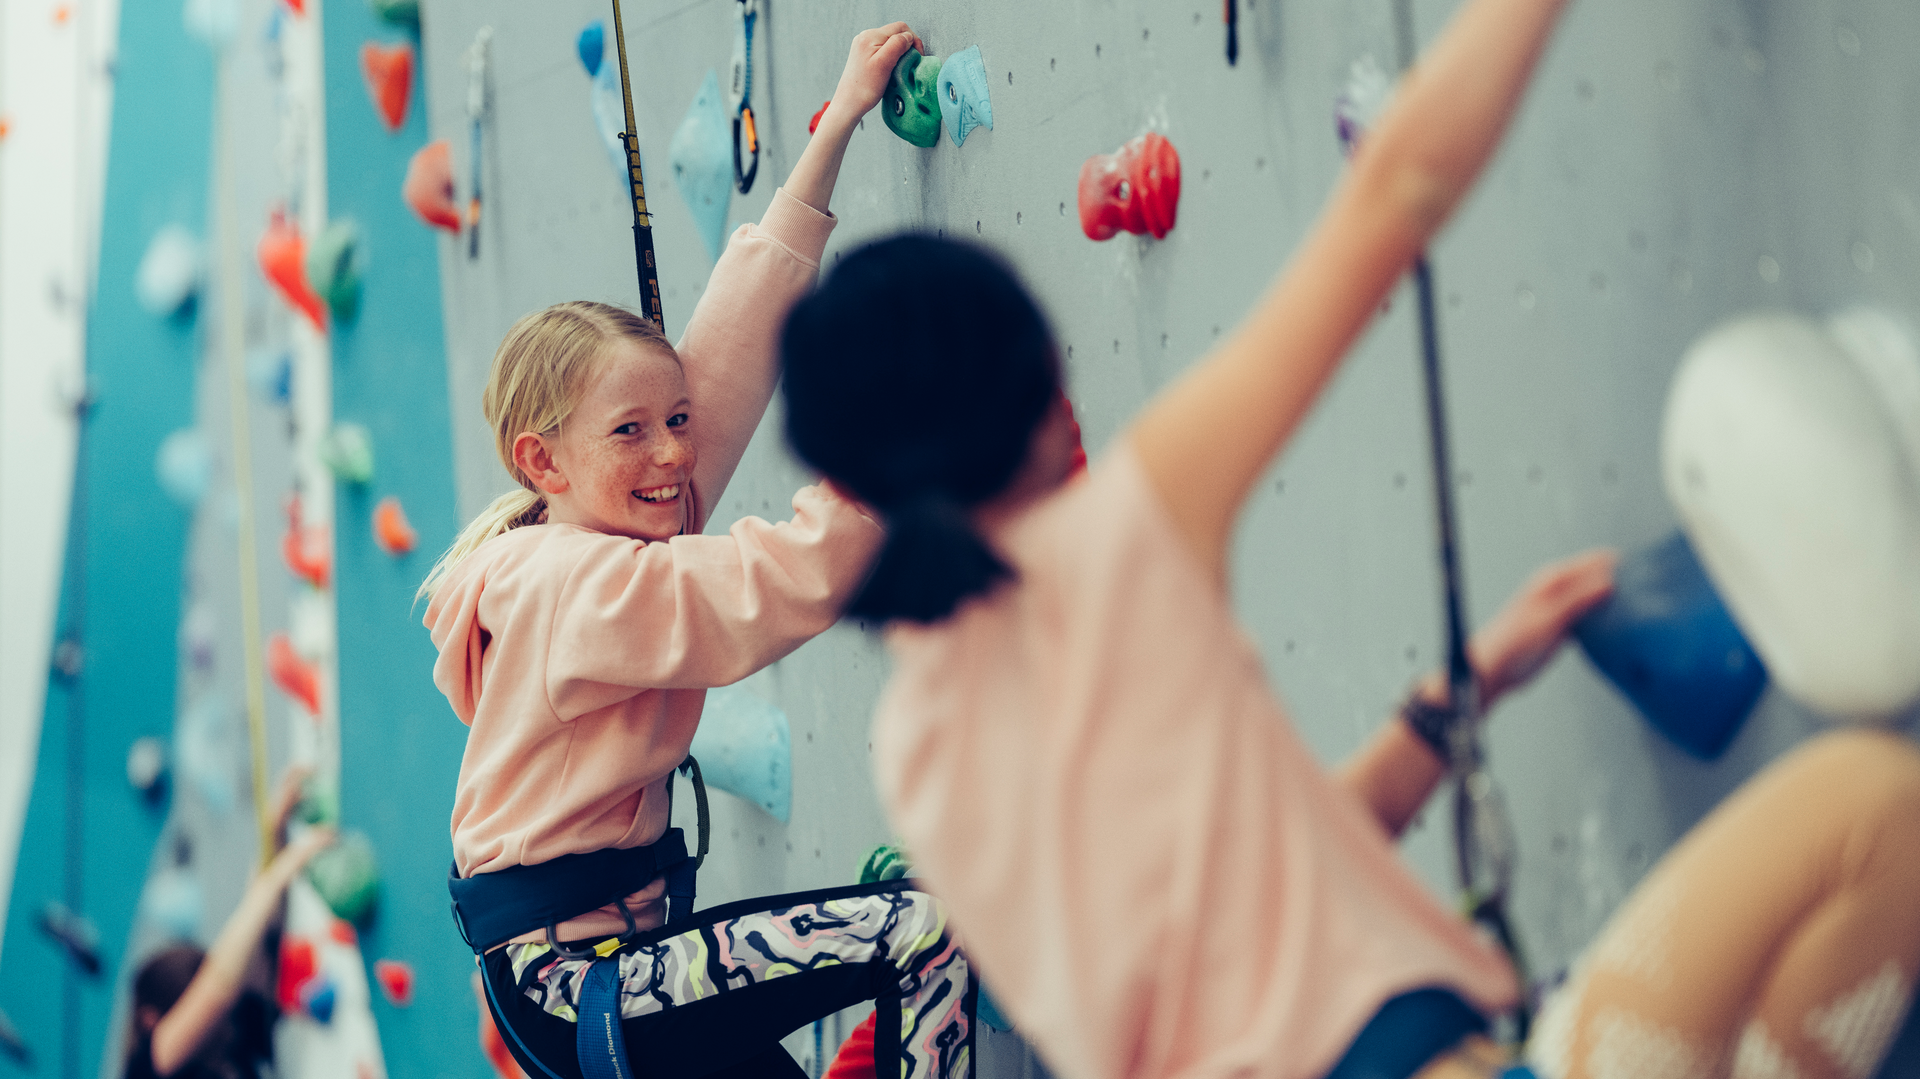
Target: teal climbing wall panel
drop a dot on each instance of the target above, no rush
(400, 746)
(124, 567)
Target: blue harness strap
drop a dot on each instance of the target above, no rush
(599, 1042)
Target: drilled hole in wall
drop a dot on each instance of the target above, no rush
(976, 228)
(1051, 62)
(1016, 217)
(1143, 33)
(1399, 480)
(1096, 52)
(1009, 78)
(1063, 209)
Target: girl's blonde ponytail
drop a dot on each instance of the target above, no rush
(540, 372)
(509, 511)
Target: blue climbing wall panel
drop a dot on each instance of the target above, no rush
(125, 553)
(400, 744)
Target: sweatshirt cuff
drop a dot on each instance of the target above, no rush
(797, 227)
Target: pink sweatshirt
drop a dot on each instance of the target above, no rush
(581, 660)
(1150, 870)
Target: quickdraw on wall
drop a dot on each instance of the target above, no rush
(476, 112)
(643, 258)
(740, 95)
(1231, 15)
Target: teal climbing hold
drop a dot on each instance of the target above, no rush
(744, 746)
(347, 451)
(964, 100)
(333, 268)
(702, 157)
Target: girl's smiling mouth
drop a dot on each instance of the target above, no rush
(669, 493)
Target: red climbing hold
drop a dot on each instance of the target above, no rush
(428, 187)
(343, 933)
(299, 7)
(389, 74)
(283, 259)
(396, 981)
(390, 528)
(1077, 464)
(1136, 189)
(814, 124)
(307, 549)
(298, 965)
(295, 676)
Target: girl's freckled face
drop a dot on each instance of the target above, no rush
(627, 450)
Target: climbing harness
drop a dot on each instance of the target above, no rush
(476, 112)
(1482, 830)
(740, 95)
(1231, 14)
(491, 909)
(642, 220)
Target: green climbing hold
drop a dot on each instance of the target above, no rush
(911, 106)
(347, 451)
(318, 806)
(347, 877)
(887, 862)
(333, 268)
(397, 12)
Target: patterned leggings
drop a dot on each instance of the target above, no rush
(714, 994)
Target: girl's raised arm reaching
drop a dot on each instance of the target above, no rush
(1205, 440)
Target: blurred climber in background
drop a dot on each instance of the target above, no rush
(194, 1013)
(580, 620)
(1081, 749)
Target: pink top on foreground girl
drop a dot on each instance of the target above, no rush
(581, 660)
(1145, 861)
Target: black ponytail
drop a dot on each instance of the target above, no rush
(933, 559)
(915, 377)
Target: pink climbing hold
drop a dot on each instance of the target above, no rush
(283, 259)
(428, 187)
(389, 73)
(293, 675)
(390, 528)
(1135, 189)
(396, 981)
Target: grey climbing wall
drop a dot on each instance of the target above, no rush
(1677, 162)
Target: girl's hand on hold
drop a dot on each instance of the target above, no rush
(294, 857)
(1513, 647)
(293, 784)
(870, 64)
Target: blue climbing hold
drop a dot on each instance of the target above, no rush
(1666, 641)
(592, 45)
(318, 997)
(744, 746)
(964, 101)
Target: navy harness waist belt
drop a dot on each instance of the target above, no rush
(493, 908)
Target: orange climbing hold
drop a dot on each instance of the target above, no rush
(295, 676)
(283, 259)
(1136, 188)
(389, 74)
(428, 187)
(299, 7)
(390, 528)
(307, 549)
